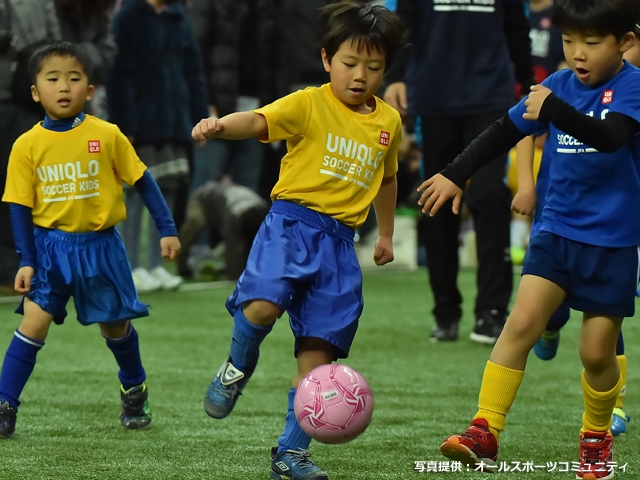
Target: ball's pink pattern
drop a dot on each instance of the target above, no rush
(333, 403)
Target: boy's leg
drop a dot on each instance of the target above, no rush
(122, 340)
(601, 383)
(536, 300)
(252, 322)
(20, 361)
(620, 418)
(547, 347)
(290, 458)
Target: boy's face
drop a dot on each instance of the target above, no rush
(62, 87)
(355, 75)
(633, 54)
(595, 59)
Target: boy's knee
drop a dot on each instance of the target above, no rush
(36, 322)
(261, 312)
(115, 330)
(596, 360)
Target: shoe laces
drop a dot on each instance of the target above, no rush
(593, 450)
(230, 391)
(301, 458)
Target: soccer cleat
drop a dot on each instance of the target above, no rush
(7, 419)
(224, 390)
(619, 422)
(444, 333)
(596, 456)
(477, 447)
(488, 327)
(295, 465)
(135, 407)
(547, 347)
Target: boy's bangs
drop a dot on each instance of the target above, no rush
(368, 43)
(591, 19)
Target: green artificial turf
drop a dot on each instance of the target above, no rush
(68, 426)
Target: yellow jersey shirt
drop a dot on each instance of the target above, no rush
(336, 158)
(72, 180)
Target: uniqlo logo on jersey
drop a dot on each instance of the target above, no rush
(384, 138)
(94, 146)
(607, 97)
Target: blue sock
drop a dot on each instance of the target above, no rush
(620, 345)
(293, 437)
(245, 342)
(127, 353)
(17, 367)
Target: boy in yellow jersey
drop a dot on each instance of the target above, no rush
(65, 194)
(342, 149)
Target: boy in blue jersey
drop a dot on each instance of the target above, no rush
(342, 149)
(530, 200)
(64, 189)
(586, 252)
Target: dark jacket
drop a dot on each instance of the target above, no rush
(92, 31)
(156, 88)
(241, 48)
(460, 58)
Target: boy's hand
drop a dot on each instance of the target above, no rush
(383, 252)
(437, 190)
(23, 280)
(534, 102)
(207, 129)
(170, 247)
(524, 202)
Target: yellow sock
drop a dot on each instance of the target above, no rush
(497, 393)
(622, 361)
(598, 406)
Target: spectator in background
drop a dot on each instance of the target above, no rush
(239, 46)
(156, 92)
(458, 77)
(24, 25)
(546, 40)
(88, 23)
(232, 214)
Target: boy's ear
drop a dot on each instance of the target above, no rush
(627, 41)
(90, 91)
(34, 94)
(325, 61)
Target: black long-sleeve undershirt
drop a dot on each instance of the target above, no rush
(606, 136)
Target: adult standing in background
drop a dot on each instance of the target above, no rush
(239, 45)
(88, 23)
(156, 91)
(24, 25)
(458, 78)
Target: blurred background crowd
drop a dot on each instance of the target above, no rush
(162, 65)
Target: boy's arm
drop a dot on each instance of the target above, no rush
(22, 224)
(385, 207)
(495, 140)
(156, 204)
(606, 135)
(524, 202)
(235, 126)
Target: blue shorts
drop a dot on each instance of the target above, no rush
(90, 267)
(598, 280)
(304, 262)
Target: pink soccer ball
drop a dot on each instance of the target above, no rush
(333, 404)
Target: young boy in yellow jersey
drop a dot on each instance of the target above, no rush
(65, 194)
(342, 149)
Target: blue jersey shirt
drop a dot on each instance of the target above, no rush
(591, 197)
